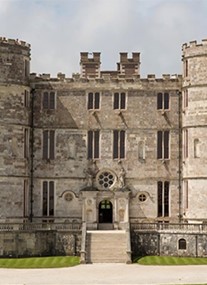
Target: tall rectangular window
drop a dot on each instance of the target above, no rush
(163, 198)
(93, 100)
(185, 143)
(26, 68)
(48, 198)
(163, 144)
(25, 198)
(26, 143)
(163, 101)
(93, 144)
(186, 68)
(185, 98)
(26, 98)
(119, 101)
(48, 100)
(118, 144)
(48, 144)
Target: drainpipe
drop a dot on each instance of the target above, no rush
(32, 92)
(180, 153)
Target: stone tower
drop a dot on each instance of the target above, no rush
(14, 128)
(194, 131)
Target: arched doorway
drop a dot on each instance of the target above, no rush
(105, 212)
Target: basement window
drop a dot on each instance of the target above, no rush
(182, 244)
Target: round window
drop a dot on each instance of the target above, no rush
(142, 197)
(106, 179)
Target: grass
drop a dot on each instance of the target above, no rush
(170, 260)
(40, 262)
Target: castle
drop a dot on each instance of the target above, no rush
(107, 148)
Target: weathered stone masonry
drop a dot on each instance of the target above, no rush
(71, 148)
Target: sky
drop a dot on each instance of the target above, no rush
(58, 30)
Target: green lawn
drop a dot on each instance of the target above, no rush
(170, 260)
(39, 262)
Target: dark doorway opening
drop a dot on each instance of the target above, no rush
(105, 212)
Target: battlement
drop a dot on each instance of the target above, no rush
(105, 77)
(90, 57)
(14, 42)
(193, 44)
(125, 59)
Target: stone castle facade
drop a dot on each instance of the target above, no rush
(105, 147)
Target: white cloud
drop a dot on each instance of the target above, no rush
(59, 30)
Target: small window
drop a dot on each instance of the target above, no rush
(185, 143)
(142, 197)
(182, 244)
(26, 99)
(26, 143)
(25, 198)
(93, 100)
(119, 101)
(185, 99)
(163, 101)
(48, 102)
(26, 68)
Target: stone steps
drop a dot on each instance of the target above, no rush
(106, 246)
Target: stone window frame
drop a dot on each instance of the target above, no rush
(26, 98)
(93, 144)
(119, 144)
(48, 198)
(163, 144)
(93, 101)
(101, 172)
(182, 244)
(185, 99)
(142, 194)
(26, 143)
(163, 101)
(163, 199)
(120, 100)
(49, 102)
(48, 144)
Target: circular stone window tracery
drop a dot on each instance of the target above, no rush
(106, 179)
(142, 197)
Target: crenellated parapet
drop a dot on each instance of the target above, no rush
(15, 61)
(14, 42)
(193, 48)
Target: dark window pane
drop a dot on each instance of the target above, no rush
(97, 100)
(159, 144)
(52, 144)
(166, 144)
(52, 100)
(182, 244)
(122, 144)
(96, 144)
(45, 144)
(45, 100)
(116, 100)
(90, 100)
(115, 144)
(51, 198)
(123, 100)
(166, 101)
(90, 144)
(166, 198)
(44, 199)
(159, 101)
(159, 198)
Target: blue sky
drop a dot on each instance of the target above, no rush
(58, 30)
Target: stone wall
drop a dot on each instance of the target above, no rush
(166, 243)
(39, 243)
